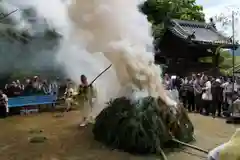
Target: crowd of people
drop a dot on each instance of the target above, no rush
(28, 87)
(63, 89)
(199, 93)
(205, 94)
(33, 86)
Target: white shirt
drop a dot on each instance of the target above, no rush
(207, 95)
(4, 96)
(227, 87)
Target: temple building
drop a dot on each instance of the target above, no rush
(186, 42)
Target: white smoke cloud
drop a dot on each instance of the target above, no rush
(121, 33)
(56, 18)
(97, 33)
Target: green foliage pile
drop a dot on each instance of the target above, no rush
(141, 126)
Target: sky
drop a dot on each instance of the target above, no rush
(225, 7)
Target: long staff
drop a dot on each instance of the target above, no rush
(100, 74)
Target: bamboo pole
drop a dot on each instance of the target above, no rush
(159, 149)
(100, 74)
(190, 146)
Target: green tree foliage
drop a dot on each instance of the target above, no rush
(225, 60)
(159, 11)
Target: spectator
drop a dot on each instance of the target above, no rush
(3, 105)
(36, 84)
(190, 94)
(54, 87)
(13, 90)
(6, 89)
(45, 87)
(198, 93)
(227, 95)
(207, 95)
(18, 84)
(217, 92)
(17, 88)
(167, 82)
(62, 88)
(28, 88)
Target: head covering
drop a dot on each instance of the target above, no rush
(218, 80)
(173, 77)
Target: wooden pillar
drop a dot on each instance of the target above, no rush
(216, 60)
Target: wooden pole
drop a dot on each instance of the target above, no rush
(163, 156)
(100, 74)
(190, 146)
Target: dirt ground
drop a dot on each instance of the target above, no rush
(66, 141)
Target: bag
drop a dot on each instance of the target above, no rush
(205, 96)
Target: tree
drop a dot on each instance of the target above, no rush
(160, 11)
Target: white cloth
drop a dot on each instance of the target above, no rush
(173, 77)
(87, 108)
(88, 103)
(207, 95)
(218, 80)
(7, 108)
(227, 87)
(54, 87)
(214, 154)
(4, 96)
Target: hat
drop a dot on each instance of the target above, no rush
(218, 80)
(173, 77)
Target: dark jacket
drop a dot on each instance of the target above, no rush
(217, 91)
(28, 90)
(183, 90)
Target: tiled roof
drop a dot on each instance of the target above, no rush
(198, 32)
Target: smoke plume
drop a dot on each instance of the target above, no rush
(97, 33)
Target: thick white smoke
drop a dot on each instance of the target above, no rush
(97, 33)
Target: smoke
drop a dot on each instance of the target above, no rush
(121, 33)
(39, 53)
(97, 33)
